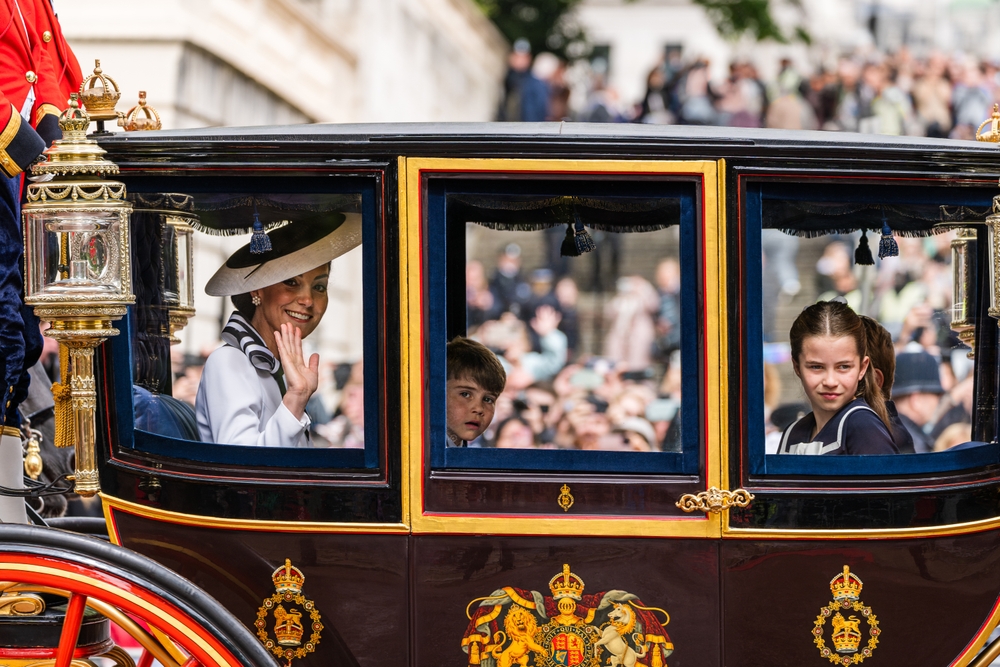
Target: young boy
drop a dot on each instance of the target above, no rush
(475, 380)
(882, 356)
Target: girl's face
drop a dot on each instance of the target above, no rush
(830, 370)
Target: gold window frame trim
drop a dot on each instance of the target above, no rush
(715, 409)
(112, 504)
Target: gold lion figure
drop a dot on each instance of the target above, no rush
(520, 627)
(851, 626)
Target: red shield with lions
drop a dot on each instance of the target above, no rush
(567, 649)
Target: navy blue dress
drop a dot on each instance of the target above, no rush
(854, 430)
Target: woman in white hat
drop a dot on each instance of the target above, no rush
(255, 387)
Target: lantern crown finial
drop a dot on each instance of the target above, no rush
(141, 116)
(993, 134)
(99, 94)
(73, 118)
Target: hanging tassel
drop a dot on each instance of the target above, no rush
(577, 241)
(62, 396)
(657, 659)
(863, 255)
(887, 246)
(259, 242)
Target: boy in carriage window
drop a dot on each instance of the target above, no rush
(476, 379)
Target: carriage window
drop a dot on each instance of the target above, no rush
(237, 394)
(894, 263)
(579, 297)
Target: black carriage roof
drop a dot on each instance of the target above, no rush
(557, 139)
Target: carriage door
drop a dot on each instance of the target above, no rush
(838, 550)
(595, 284)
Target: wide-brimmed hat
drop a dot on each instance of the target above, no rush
(916, 372)
(295, 248)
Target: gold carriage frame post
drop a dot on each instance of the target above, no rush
(411, 171)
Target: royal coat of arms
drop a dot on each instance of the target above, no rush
(514, 626)
(846, 635)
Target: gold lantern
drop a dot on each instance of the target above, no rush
(77, 273)
(174, 214)
(963, 266)
(993, 235)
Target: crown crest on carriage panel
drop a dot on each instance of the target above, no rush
(566, 585)
(846, 586)
(288, 578)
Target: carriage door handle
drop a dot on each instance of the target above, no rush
(714, 500)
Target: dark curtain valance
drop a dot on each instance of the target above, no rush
(533, 213)
(812, 219)
(226, 214)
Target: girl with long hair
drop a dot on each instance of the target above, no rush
(830, 358)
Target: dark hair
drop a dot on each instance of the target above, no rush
(244, 305)
(836, 319)
(468, 359)
(882, 353)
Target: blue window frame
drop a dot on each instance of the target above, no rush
(444, 261)
(228, 454)
(758, 196)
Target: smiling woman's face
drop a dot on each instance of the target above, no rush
(301, 301)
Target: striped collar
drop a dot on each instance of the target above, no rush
(240, 334)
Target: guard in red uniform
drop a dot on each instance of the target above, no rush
(30, 103)
(67, 69)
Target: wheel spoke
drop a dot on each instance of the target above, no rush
(191, 662)
(145, 660)
(71, 629)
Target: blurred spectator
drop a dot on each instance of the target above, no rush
(638, 435)
(480, 302)
(514, 433)
(525, 98)
(955, 434)
(347, 429)
(568, 295)
(631, 328)
(916, 393)
(507, 284)
(668, 319)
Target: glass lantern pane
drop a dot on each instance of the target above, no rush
(79, 251)
(169, 274)
(185, 287)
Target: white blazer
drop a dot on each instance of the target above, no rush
(240, 404)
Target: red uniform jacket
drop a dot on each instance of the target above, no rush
(67, 69)
(24, 63)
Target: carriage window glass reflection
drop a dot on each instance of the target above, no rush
(266, 361)
(589, 342)
(918, 361)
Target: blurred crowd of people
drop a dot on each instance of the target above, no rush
(911, 296)
(558, 396)
(895, 94)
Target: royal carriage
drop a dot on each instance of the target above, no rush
(705, 548)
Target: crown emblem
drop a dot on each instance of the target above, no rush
(288, 626)
(566, 585)
(288, 579)
(288, 606)
(846, 586)
(846, 634)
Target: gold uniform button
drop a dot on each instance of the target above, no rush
(46, 36)
(30, 77)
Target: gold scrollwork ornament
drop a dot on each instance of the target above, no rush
(846, 633)
(288, 605)
(715, 500)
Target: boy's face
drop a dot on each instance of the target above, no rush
(470, 408)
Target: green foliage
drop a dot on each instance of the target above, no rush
(547, 24)
(735, 18)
